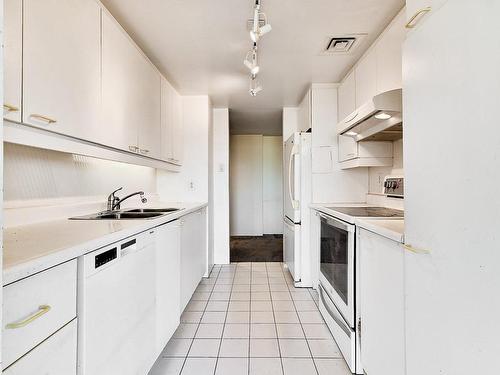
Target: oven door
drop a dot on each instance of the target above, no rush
(337, 264)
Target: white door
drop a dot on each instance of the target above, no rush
(61, 66)
(54, 356)
(13, 34)
(291, 248)
(168, 262)
(292, 178)
(131, 94)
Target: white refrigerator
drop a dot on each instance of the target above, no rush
(297, 198)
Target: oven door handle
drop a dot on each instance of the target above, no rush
(334, 316)
(336, 223)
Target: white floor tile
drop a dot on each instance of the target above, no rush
(281, 296)
(236, 331)
(213, 317)
(260, 288)
(261, 296)
(263, 331)
(232, 366)
(217, 305)
(191, 316)
(167, 366)
(200, 296)
(301, 295)
(199, 366)
(324, 349)
(286, 317)
(204, 348)
(298, 366)
(264, 348)
(234, 348)
(259, 280)
(294, 348)
(223, 287)
(196, 306)
(241, 281)
(238, 317)
(332, 367)
(306, 306)
(209, 331)
(224, 281)
(204, 288)
(281, 287)
(317, 331)
(220, 296)
(313, 317)
(265, 366)
(290, 331)
(185, 331)
(241, 288)
(283, 306)
(239, 306)
(177, 348)
(240, 296)
(261, 317)
(261, 306)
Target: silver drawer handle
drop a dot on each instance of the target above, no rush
(414, 20)
(42, 310)
(43, 118)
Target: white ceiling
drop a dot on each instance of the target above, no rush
(200, 45)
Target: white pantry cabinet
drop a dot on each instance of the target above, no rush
(61, 66)
(381, 303)
(172, 138)
(193, 253)
(54, 356)
(131, 94)
(450, 96)
(168, 276)
(13, 34)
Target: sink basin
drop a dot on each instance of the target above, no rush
(120, 215)
(144, 210)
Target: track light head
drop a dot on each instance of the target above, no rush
(251, 61)
(255, 87)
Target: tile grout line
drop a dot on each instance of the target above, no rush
(275, 324)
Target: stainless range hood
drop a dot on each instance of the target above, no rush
(380, 119)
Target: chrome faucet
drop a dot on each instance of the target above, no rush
(114, 202)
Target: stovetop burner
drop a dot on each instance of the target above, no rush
(369, 211)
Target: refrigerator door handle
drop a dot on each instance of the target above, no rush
(291, 180)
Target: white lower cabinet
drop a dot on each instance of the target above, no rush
(36, 307)
(193, 253)
(54, 356)
(168, 252)
(382, 313)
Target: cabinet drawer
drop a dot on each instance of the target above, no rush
(36, 307)
(54, 356)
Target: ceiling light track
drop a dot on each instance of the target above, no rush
(259, 28)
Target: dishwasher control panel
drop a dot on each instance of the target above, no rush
(106, 257)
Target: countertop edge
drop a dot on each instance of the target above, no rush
(44, 262)
(375, 227)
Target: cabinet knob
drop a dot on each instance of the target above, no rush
(416, 17)
(43, 118)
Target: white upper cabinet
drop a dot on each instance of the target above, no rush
(366, 78)
(171, 124)
(13, 33)
(305, 122)
(131, 103)
(347, 96)
(61, 66)
(389, 56)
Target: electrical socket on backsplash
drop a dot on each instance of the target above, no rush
(191, 185)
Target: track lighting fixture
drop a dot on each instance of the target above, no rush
(258, 31)
(251, 61)
(255, 87)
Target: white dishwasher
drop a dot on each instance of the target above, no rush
(116, 308)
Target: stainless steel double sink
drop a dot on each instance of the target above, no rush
(135, 213)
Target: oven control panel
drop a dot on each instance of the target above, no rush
(394, 187)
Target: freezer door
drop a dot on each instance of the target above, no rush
(292, 249)
(292, 178)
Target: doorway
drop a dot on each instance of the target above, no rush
(256, 198)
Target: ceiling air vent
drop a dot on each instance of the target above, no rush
(340, 45)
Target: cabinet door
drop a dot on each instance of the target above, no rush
(167, 120)
(178, 130)
(150, 126)
(168, 275)
(381, 303)
(13, 21)
(366, 78)
(389, 56)
(130, 91)
(61, 66)
(324, 116)
(348, 148)
(347, 96)
(305, 113)
(54, 356)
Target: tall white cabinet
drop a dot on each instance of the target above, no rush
(171, 124)
(131, 92)
(61, 66)
(452, 164)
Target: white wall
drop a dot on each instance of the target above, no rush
(245, 185)
(377, 174)
(272, 199)
(220, 172)
(191, 183)
(36, 174)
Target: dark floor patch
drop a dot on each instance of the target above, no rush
(268, 248)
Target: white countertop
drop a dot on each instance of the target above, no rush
(390, 228)
(33, 248)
